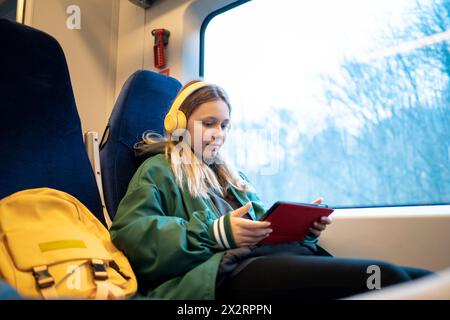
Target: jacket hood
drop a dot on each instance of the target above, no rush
(142, 151)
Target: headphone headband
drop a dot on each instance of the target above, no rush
(176, 119)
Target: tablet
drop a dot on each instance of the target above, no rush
(290, 221)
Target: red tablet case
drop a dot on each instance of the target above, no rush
(291, 221)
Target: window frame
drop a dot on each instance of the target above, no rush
(203, 27)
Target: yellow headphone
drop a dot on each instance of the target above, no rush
(176, 119)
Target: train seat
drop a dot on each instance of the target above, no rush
(7, 292)
(141, 106)
(41, 138)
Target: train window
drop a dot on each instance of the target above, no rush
(349, 100)
(8, 9)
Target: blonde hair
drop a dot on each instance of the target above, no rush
(188, 169)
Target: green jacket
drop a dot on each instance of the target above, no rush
(174, 242)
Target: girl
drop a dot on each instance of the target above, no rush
(182, 225)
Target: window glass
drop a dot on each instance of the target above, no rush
(349, 99)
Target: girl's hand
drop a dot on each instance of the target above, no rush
(318, 227)
(247, 232)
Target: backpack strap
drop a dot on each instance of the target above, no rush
(45, 282)
(105, 289)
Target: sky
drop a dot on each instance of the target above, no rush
(267, 55)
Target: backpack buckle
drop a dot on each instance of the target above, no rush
(43, 277)
(99, 268)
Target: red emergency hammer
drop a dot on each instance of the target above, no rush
(161, 40)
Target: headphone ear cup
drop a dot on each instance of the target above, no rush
(182, 121)
(170, 123)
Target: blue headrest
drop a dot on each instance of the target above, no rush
(41, 141)
(143, 102)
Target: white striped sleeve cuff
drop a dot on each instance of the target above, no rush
(220, 234)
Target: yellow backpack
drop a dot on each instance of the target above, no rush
(52, 246)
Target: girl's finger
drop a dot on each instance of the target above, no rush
(239, 212)
(326, 220)
(255, 233)
(252, 225)
(319, 226)
(318, 201)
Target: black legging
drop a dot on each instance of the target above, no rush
(309, 277)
